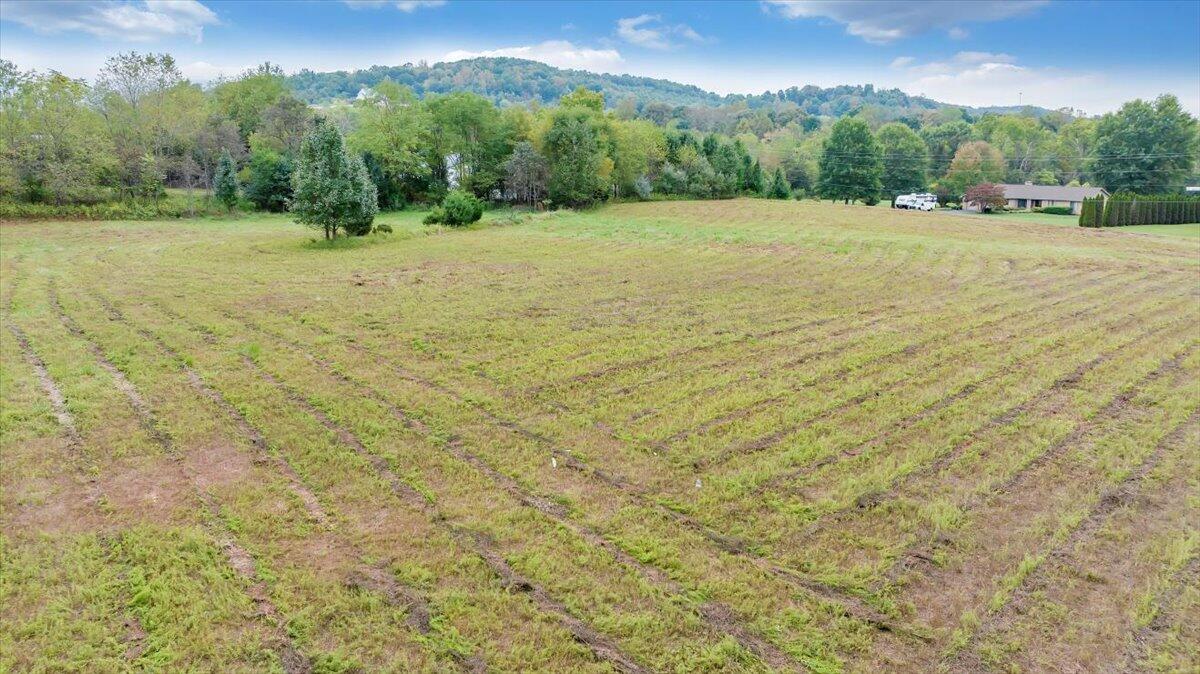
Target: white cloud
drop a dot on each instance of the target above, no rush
(408, 6)
(136, 21)
(902, 61)
(203, 71)
(648, 30)
(558, 53)
(958, 33)
(882, 22)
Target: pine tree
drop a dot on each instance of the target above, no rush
(225, 187)
(332, 189)
(779, 186)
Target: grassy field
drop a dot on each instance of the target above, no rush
(1191, 230)
(736, 436)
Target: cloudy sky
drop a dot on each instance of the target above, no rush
(1086, 55)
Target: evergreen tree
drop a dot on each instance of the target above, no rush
(905, 160)
(225, 187)
(779, 186)
(850, 164)
(332, 189)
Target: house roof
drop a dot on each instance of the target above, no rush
(1051, 192)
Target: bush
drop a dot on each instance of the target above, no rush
(383, 228)
(458, 209)
(1057, 210)
(642, 187)
(435, 217)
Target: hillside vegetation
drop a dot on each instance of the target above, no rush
(511, 80)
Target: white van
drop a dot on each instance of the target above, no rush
(919, 202)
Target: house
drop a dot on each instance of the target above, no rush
(1028, 196)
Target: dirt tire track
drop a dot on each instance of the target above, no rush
(1085, 426)
(1110, 498)
(241, 561)
(772, 439)
(736, 414)
(600, 645)
(950, 399)
(311, 503)
(849, 604)
(718, 616)
(1143, 640)
(373, 579)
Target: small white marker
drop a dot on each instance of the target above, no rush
(697, 483)
(553, 462)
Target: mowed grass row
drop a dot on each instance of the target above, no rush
(671, 436)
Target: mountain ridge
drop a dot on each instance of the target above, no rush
(506, 80)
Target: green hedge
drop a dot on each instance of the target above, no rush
(1057, 210)
(1124, 209)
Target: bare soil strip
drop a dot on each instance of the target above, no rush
(1110, 499)
(58, 402)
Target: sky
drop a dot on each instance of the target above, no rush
(1091, 56)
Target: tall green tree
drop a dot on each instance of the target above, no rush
(393, 126)
(905, 160)
(851, 163)
(245, 99)
(1145, 147)
(331, 188)
(225, 187)
(779, 186)
(974, 163)
(573, 150)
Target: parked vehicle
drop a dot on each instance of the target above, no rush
(920, 202)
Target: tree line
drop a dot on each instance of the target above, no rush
(141, 127)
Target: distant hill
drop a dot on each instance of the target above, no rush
(510, 80)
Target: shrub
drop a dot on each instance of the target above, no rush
(383, 228)
(642, 187)
(1057, 210)
(435, 217)
(458, 209)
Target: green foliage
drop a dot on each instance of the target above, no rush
(974, 163)
(850, 162)
(331, 188)
(573, 150)
(1125, 209)
(225, 187)
(584, 98)
(1145, 147)
(458, 209)
(779, 187)
(1057, 210)
(269, 183)
(245, 99)
(393, 129)
(905, 160)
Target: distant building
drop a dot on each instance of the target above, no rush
(1028, 196)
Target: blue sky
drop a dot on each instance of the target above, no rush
(1087, 55)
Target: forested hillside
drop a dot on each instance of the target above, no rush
(510, 80)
